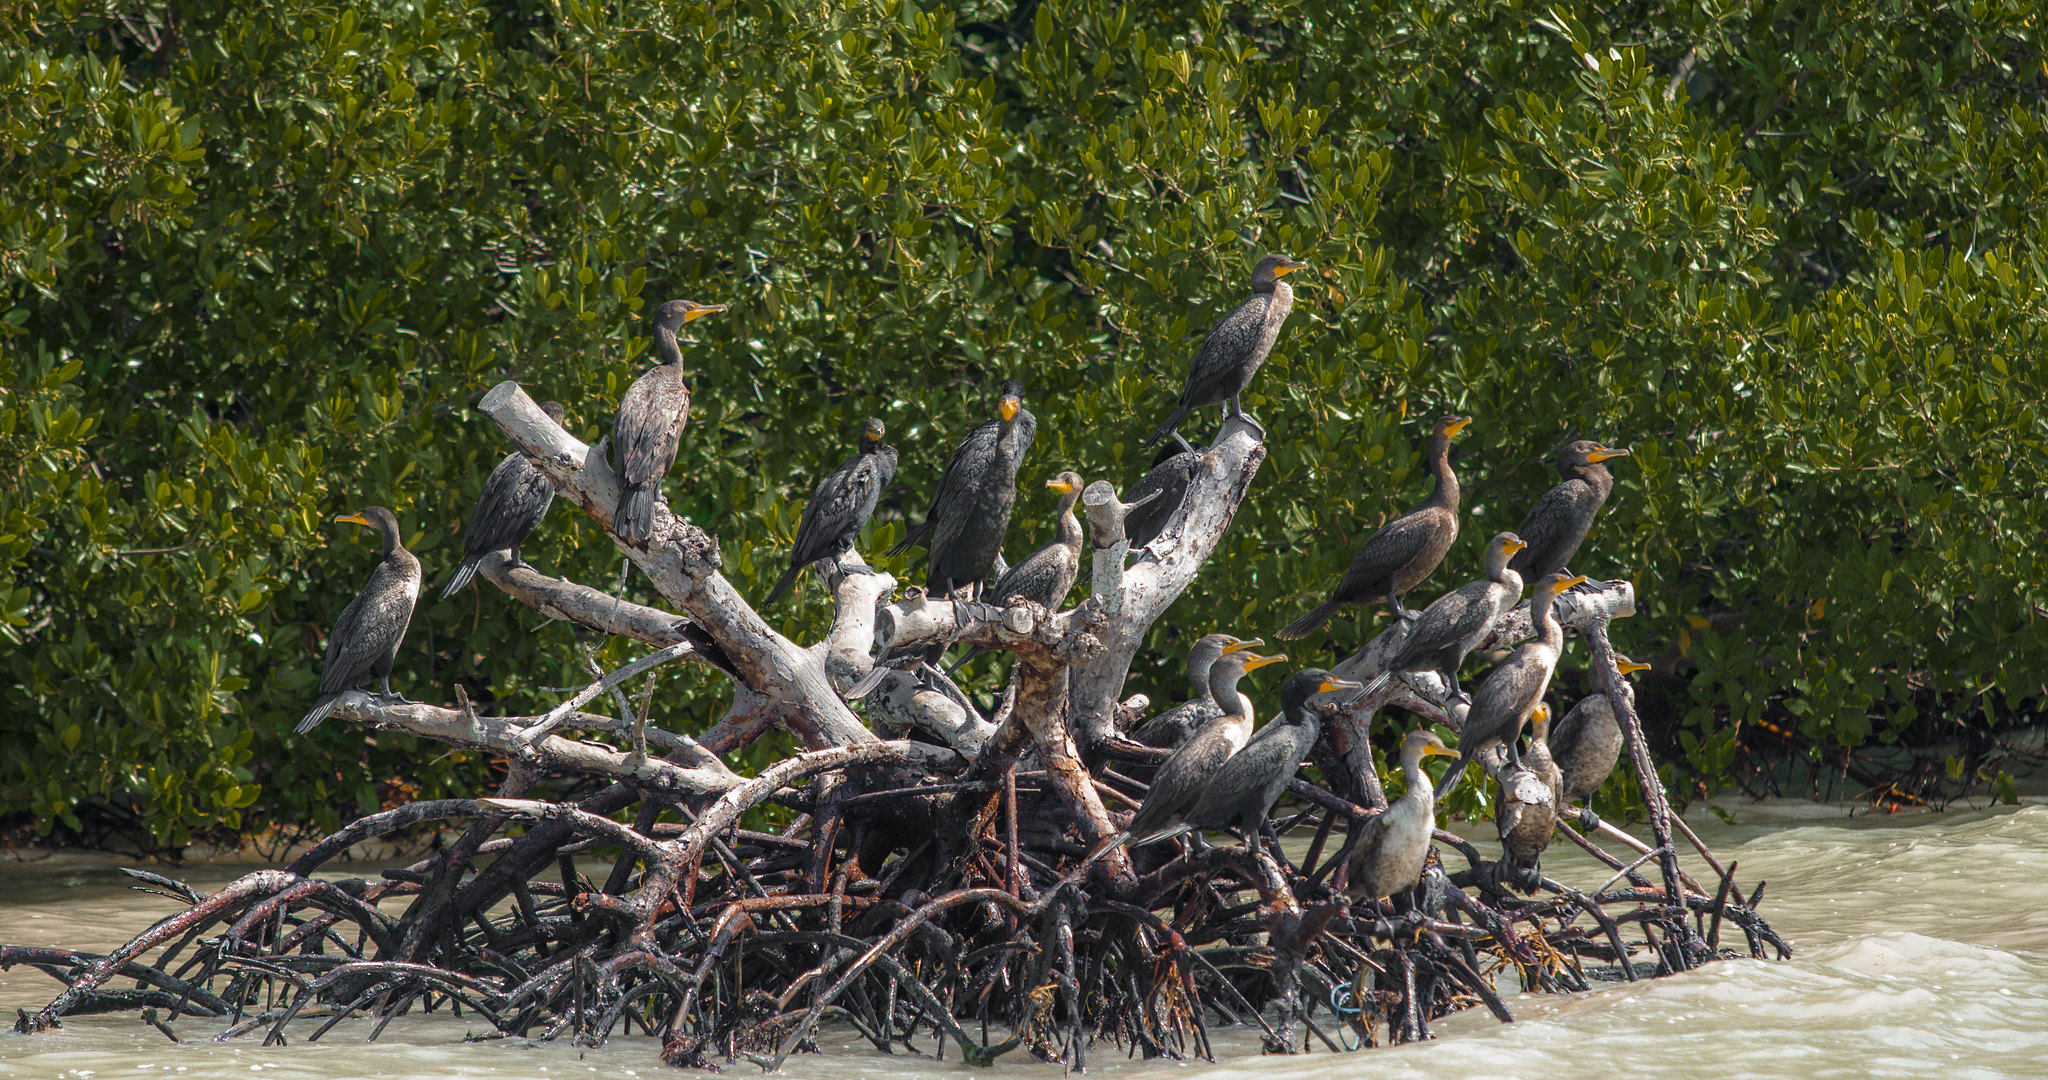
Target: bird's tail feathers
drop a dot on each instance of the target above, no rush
(635, 517)
(782, 586)
(320, 712)
(1309, 623)
(1156, 835)
(911, 538)
(1376, 684)
(459, 580)
(1180, 413)
(868, 682)
(1450, 780)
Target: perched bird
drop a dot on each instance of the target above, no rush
(650, 423)
(1235, 348)
(1182, 777)
(1388, 854)
(1526, 814)
(1173, 727)
(1171, 474)
(970, 511)
(1513, 687)
(1558, 523)
(514, 500)
(840, 507)
(1243, 791)
(1406, 551)
(1458, 620)
(1587, 743)
(366, 636)
(1046, 575)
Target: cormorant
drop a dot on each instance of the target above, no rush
(1458, 620)
(1235, 348)
(514, 500)
(1558, 523)
(650, 423)
(1588, 741)
(1046, 575)
(1182, 776)
(963, 530)
(1516, 685)
(367, 634)
(1529, 801)
(840, 507)
(1172, 471)
(1405, 552)
(1174, 726)
(1243, 791)
(1392, 845)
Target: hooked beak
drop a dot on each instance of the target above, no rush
(354, 519)
(707, 309)
(1060, 486)
(1629, 667)
(1008, 409)
(1289, 267)
(1457, 425)
(1605, 454)
(1513, 546)
(1578, 579)
(1332, 684)
(1240, 646)
(1437, 750)
(1257, 662)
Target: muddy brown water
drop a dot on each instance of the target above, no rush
(1922, 950)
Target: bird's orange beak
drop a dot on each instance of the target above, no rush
(1240, 646)
(1605, 454)
(697, 312)
(1289, 267)
(1257, 662)
(354, 519)
(1008, 409)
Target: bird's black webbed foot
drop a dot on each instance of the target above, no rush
(1588, 820)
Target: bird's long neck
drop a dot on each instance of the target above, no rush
(1224, 687)
(1198, 674)
(665, 346)
(1542, 613)
(1069, 525)
(392, 541)
(1498, 570)
(1419, 787)
(1597, 477)
(1446, 493)
(1283, 295)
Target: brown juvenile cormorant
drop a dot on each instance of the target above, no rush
(1529, 801)
(1182, 777)
(1172, 471)
(1558, 523)
(1233, 351)
(1458, 620)
(515, 499)
(1174, 726)
(1046, 575)
(1587, 743)
(840, 507)
(650, 423)
(1406, 551)
(1243, 791)
(970, 511)
(1515, 686)
(1393, 844)
(367, 634)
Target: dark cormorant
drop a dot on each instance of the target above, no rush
(1458, 620)
(1392, 845)
(1172, 471)
(1405, 552)
(970, 511)
(1588, 741)
(1527, 811)
(1243, 791)
(515, 499)
(367, 634)
(1514, 686)
(1174, 726)
(1182, 777)
(1558, 523)
(1047, 575)
(1233, 351)
(650, 423)
(841, 506)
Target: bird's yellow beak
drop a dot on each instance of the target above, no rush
(1240, 646)
(1457, 425)
(1060, 486)
(1289, 267)
(1630, 667)
(1257, 662)
(707, 309)
(354, 519)
(1605, 454)
(1008, 409)
(1579, 579)
(1513, 546)
(1540, 714)
(1332, 683)
(1437, 750)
